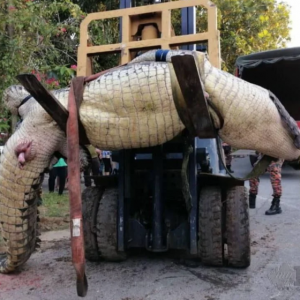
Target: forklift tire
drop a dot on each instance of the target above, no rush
(210, 243)
(107, 236)
(237, 228)
(90, 202)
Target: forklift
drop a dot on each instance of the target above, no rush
(176, 195)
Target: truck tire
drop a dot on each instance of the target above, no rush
(90, 202)
(237, 228)
(210, 243)
(107, 236)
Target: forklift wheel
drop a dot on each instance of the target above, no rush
(237, 228)
(210, 242)
(90, 202)
(107, 226)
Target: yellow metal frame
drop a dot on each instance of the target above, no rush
(130, 21)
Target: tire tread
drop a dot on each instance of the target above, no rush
(210, 226)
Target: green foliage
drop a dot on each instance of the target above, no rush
(54, 205)
(105, 32)
(248, 26)
(39, 37)
(90, 6)
(4, 125)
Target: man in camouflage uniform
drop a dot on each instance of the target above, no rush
(228, 156)
(275, 176)
(94, 166)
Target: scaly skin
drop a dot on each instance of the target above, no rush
(18, 212)
(128, 107)
(18, 203)
(18, 185)
(251, 119)
(131, 107)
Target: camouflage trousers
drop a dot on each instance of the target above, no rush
(275, 176)
(228, 159)
(227, 154)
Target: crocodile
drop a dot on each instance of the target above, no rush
(131, 106)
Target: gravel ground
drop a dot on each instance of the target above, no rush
(49, 273)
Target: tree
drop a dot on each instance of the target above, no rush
(45, 36)
(39, 37)
(248, 26)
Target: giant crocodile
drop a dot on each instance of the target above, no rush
(128, 107)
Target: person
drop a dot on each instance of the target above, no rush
(228, 156)
(106, 158)
(115, 168)
(275, 177)
(58, 170)
(94, 166)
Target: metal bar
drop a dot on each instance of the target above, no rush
(121, 188)
(128, 162)
(194, 200)
(127, 193)
(188, 24)
(125, 4)
(135, 45)
(157, 244)
(76, 226)
(123, 167)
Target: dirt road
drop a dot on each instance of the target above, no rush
(49, 273)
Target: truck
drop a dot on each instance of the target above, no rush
(275, 70)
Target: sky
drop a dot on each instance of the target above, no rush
(295, 22)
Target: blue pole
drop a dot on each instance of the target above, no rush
(188, 24)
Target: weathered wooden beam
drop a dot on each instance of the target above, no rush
(188, 78)
(77, 234)
(51, 105)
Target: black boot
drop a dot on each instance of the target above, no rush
(252, 200)
(275, 207)
(229, 168)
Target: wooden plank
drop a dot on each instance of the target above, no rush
(166, 28)
(175, 40)
(191, 88)
(146, 9)
(51, 105)
(214, 37)
(130, 16)
(77, 238)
